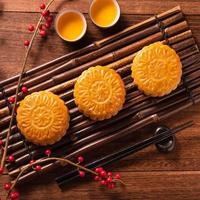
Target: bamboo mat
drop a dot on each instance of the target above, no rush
(115, 52)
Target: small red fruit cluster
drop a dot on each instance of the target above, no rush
(81, 159)
(38, 167)
(106, 178)
(12, 99)
(47, 23)
(13, 195)
(24, 90)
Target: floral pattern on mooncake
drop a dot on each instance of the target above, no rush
(99, 93)
(42, 118)
(157, 70)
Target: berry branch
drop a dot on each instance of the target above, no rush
(105, 178)
(28, 44)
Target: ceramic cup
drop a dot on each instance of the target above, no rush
(97, 5)
(65, 19)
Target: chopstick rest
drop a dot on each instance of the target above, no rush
(168, 144)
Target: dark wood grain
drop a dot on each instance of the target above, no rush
(148, 174)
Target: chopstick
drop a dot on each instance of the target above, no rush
(62, 180)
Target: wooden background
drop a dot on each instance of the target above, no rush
(148, 174)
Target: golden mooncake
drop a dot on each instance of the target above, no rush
(99, 93)
(42, 118)
(157, 70)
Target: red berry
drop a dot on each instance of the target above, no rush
(109, 179)
(80, 159)
(47, 152)
(103, 173)
(24, 89)
(109, 173)
(117, 176)
(111, 186)
(81, 174)
(97, 178)
(48, 25)
(42, 27)
(32, 161)
(42, 6)
(7, 186)
(43, 33)
(49, 19)
(31, 28)
(1, 170)
(98, 169)
(1, 142)
(26, 43)
(45, 13)
(17, 194)
(38, 168)
(103, 182)
(14, 195)
(11, 99)
(11, 158)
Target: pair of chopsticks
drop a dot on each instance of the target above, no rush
(123, 153)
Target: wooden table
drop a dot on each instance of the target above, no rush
(148, 174)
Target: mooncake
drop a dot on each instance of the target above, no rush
(99, 93)
(157, 70)
(42, 118)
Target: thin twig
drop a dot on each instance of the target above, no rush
(76, 165)
(46, 160)
(19, 84)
